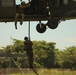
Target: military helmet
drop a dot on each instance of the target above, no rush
(25, 38)
(23, 3)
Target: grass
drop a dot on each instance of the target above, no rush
(42, 72)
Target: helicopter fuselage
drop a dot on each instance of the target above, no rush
(52, 11)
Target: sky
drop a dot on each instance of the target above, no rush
(64, 35)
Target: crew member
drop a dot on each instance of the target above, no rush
(20, 12)
(28, 47)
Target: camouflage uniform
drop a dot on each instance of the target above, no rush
(28, 47)
(20, 12)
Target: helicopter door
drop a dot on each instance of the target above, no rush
(7, 8)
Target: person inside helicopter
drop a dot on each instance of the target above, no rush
(20, 12)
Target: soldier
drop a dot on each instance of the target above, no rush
(28, 47)
(20, 12)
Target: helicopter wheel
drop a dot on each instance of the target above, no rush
(53, 24)
(41, 28)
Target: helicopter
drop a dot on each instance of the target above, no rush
(52, 11)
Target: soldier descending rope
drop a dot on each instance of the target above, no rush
(28, 47)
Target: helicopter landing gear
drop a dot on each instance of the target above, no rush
(41, 28)
(52, 23)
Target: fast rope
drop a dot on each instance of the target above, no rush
(29, 24)
(29, 30)
(29, 39)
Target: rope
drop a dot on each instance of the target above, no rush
(29, 25)
(18, 66)
(29, 30)
(35, 71)
(29, 39)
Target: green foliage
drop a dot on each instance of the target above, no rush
(18, 46)
(69, 57)
(45, 55)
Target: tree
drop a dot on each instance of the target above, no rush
(50, 63)
(69, 57)
(44, 53)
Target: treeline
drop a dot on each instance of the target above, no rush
(46, 55)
